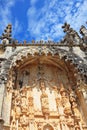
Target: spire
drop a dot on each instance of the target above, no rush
(6, 36)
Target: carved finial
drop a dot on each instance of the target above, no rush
(41, 41)
(71, 36)
(66, 27)
(6, 36)
(83, 32)
(33, 41)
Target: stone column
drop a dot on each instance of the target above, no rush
(82, 103)
(7, 109)
(6, 112)
(2, 89)
(44, 101)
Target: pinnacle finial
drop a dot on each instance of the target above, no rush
(6, 35)
(66, 27)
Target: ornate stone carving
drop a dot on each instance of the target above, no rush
(9, 86)
(6, 36)
(59, 104)
(75, 110)
(13, 125)
(24, 120)
(83, 31)
(30, 103)
(77, 126)
(44, 100)
(24, 101)
(39, 64)
(17, 108)
(39, 125)
(20, 126)
(70, 121)
(71, 36)
(77, 114)
(65, 101)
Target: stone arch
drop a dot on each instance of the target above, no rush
(48, 127)
(22, 54)
(63, 54)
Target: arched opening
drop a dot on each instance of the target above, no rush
(43, 66)
(48, 127)
(44, 86)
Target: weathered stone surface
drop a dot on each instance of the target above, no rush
(40, 83)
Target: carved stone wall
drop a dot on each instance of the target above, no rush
(43, 86)
(44, 99)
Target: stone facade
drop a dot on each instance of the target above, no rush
(43, 86)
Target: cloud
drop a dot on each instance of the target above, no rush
(17, 28)
(32, 2)
(79, 16)
(47, 20)
(44, 23)
(43, 19)
(6, 15)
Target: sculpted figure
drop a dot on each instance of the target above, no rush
(23, 91)
(70, 121)
(39, 125)
(59, 105)
(30, 97)
(17, 108)
(44, 103)
(29, 91)
(31, 107)
(24, 120)
(58, 102)
(65, 101)
(75, 107)
(24, 102)
(24, 105)
(16, 93)
(44, 100)
(72, 98)
(75, 110)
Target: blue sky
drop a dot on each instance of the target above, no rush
(41, 19)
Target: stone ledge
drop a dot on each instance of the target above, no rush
(6, 127)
